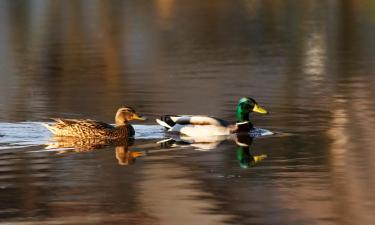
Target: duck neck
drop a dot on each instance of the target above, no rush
(241, 115)
(120, 122)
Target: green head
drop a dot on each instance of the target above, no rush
(245, 107)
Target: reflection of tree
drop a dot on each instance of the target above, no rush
(90, 56)
(74, 56)
(352, 113)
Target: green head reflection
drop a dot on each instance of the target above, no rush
(247, 160)
(244, 156)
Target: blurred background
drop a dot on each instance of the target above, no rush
(310, 63)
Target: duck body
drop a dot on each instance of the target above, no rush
(200, 125)
(87, 128)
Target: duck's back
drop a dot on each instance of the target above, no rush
(169, 121)
(80, 128)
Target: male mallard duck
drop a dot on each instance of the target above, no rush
(210, 126)
(86, 128)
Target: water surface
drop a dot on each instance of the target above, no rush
(311, 64)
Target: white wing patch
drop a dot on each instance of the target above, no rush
(162, 123)
(198, 120)
(200, 130)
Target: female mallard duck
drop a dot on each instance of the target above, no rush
(86, 128)
(210, 126)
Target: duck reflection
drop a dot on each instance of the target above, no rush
(198, 143)
(125, 157)
(243, 142)
(244, 156)
(70, 144)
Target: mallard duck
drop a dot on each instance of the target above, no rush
(86, 128)
(210, 126)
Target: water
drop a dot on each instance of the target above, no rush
(310, 63)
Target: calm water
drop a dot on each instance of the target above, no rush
(310, 63)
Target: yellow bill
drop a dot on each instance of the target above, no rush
(137, 117)
(259, 109)
(259, 158)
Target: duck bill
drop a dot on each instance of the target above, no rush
(259, 109)
(259, 158)
(136, 154)
(138, 117)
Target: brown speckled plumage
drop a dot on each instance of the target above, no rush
(86, 128)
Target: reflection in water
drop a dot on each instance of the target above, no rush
(311, 61)
(314, 61)
(242, 141)
(123, 155)
(244, 156)
(170, 194)
(201, 143)
(348, 157)
(126, 157)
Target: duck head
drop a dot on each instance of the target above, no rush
(126, 114)
(245, 107)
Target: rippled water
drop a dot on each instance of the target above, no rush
(310, 63)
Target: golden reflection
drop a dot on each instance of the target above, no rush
(338, 134)
(111, 43)
(252, 7)
(125, 157)
(165, 184)
(122, 153)
(351, 150)
(315, 56)
(165, 11)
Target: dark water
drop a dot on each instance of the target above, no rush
(310, 63)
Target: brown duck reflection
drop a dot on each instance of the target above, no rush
(123, 155)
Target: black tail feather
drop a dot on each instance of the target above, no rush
(167, 119)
